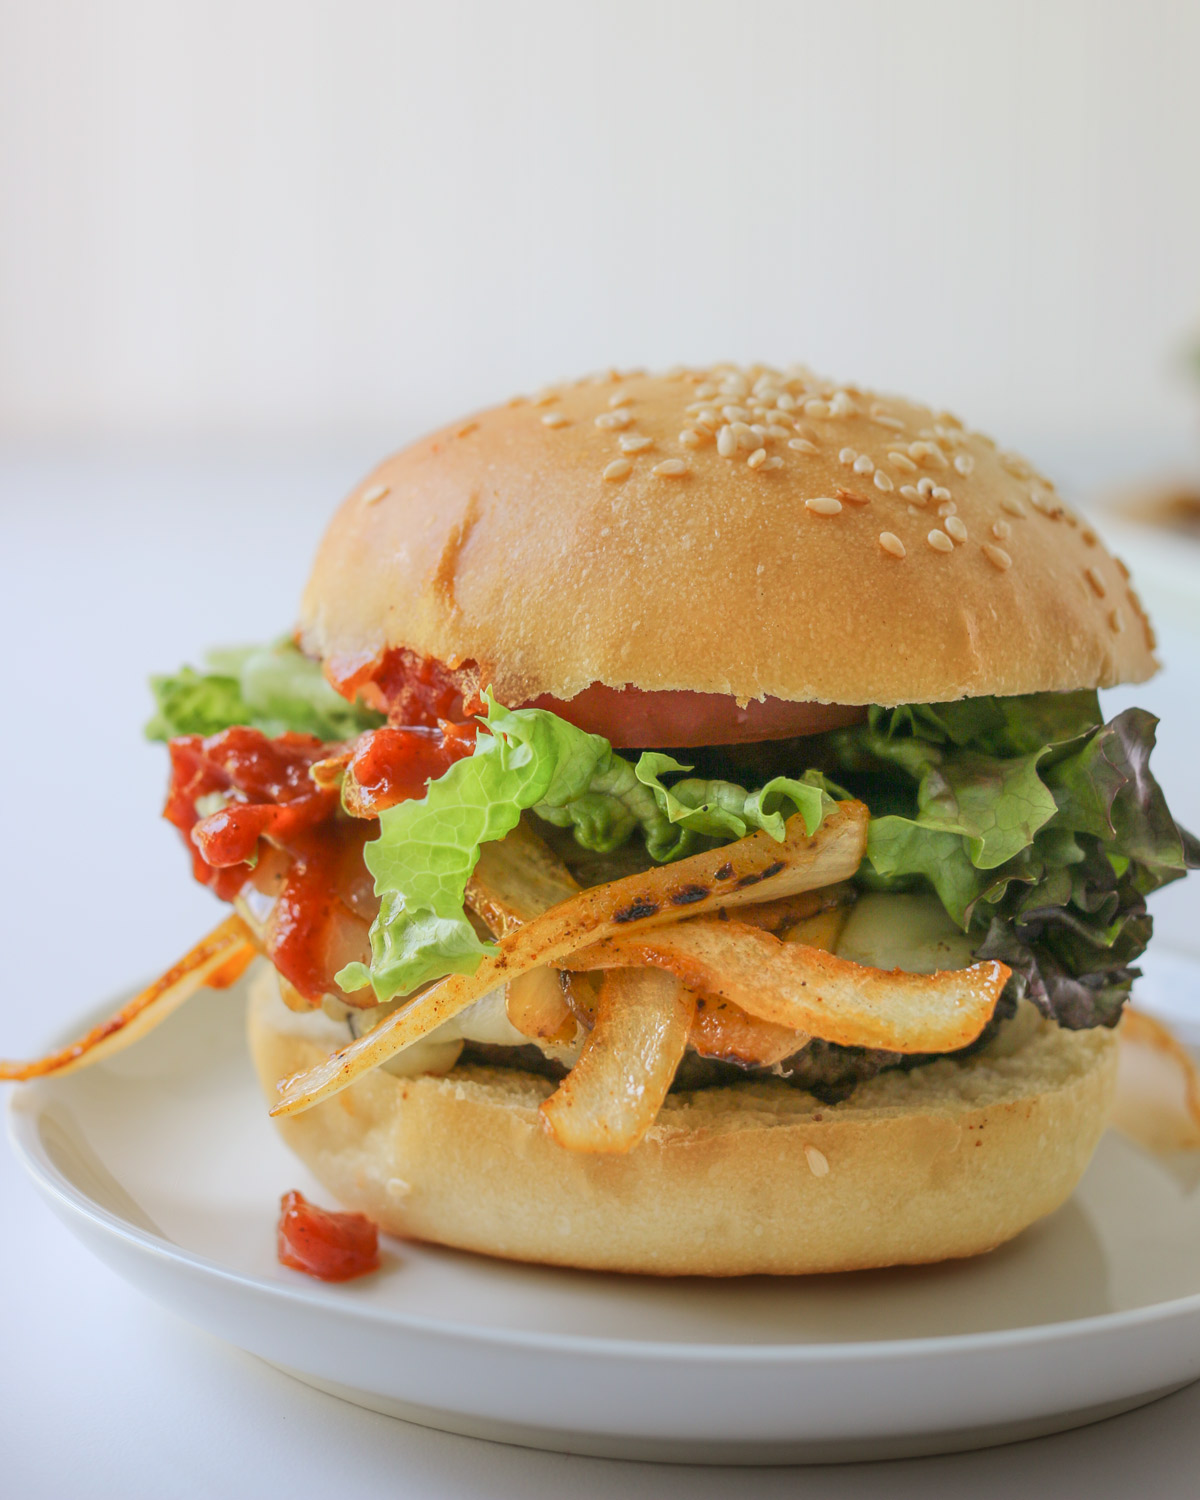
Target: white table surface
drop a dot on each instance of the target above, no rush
(115, 564)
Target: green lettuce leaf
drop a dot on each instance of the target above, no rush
(1039, 827)
(534, 761)
(273, 688)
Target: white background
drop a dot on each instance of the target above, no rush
(246, 247)
(295, 216)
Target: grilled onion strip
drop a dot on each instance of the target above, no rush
(216, 961)
(810, 990)
(613, 1094)
(754, 869)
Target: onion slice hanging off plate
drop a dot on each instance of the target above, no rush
(754, 869)
(216, 962)
(613, 1094)
(812, 991)
(1158, 1087)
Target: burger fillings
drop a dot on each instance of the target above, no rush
(801, 893)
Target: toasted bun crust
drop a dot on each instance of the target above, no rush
(948, 1160)
(510, 540)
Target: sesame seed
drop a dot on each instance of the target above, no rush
(847, 456)
(612, 419)
(620, 399)
(1001, 530)
(727, 443)
(947, 508)
(555, 419)
(772, 463)
(964, 463)
(1115, 623)
(864, 465)
(929, 454)
(785, 402)
(882, 482)
(670, 468)
(544, 398)
(890, 542)
(758, 429)
(734, 413)
(884, 419)
(940, 492)
(634, 442)
(759, 456)
(375, 494)
(824, 505)
(955, 528)
(853, 497)
(925, 487)
(1097, 583)
(939, 541)
(693, 437)
(775, 431)
(1015, 465)
(745, 434)
(911, 492)
(816, 408)
(802, 445)
(842, 406)
(1012, 506)
(1047, 504)
(903, 462)
(706, 391)
(818, 1162)
(997, 556)
(620, 468)
(708, 418)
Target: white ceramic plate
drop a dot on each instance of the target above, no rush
(164, 1163)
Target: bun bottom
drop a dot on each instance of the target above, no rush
(948, 1160)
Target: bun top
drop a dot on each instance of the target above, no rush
(751, 532)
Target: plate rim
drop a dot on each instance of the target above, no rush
(22, 1113)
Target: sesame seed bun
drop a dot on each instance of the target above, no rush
(948, 1160)
(747, 533)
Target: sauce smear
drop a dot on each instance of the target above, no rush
(329, 1246)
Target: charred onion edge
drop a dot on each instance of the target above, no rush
(216, 962)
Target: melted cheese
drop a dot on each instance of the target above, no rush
(485, 1022)
(910, 932)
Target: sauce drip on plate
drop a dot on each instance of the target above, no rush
(329, 1246)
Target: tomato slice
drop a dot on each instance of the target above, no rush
(416, 690)
(329, 1246)
(630, 716)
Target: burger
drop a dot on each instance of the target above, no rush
(683, 835)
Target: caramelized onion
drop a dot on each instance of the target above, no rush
(216, 961)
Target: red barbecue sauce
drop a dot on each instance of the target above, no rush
(411, 689)
(324, 901)
(329, 1246)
